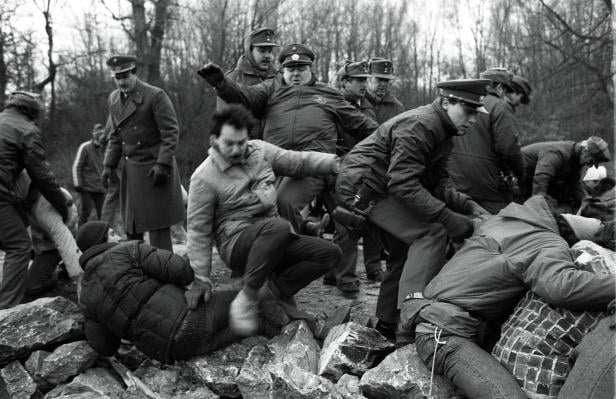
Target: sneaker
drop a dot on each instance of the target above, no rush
(243, 318)
(376, 276)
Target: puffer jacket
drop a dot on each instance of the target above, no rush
(300, 118)
(385, 108)
(21, 148)
(133, 290)
(517, 250)
(406, 157)
(488, 147)
(224, 199)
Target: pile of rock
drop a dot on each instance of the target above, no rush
(43, 354)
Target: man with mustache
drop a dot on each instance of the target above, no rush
(300, 114)
(379, 89)
(145, 132)
(256, 65)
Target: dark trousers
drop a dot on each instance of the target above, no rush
(158, 238)
(90, 200)
(270, 250)
(294, 194)
(15, 242)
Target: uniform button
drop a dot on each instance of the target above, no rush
(125, 157)
(124, 142)
(139, 143)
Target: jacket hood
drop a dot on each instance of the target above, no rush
(247, 64)
(93, 251)
(535, 211)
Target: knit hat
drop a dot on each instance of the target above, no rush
(583, 227)
(92, 233)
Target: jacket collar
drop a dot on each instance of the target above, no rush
(135, 97)
(450, 128)
(93, 251)
(247, 66)
(535, 211)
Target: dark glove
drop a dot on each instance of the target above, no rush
(458, 226)
(106, 176)
(160, 174)
(212, 73)
(63, 211)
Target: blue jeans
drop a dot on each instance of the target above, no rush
(471, 369)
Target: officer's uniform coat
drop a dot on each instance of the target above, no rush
(145, 132)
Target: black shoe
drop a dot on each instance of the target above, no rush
(388, 330)
(350, 289)
(376, 276)
(329, 281)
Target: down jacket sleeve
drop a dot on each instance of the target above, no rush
(299, 163)
(100, 338)
(164, 265)
(200, 216)
(552, 274)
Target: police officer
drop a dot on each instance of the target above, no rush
(144, 130)
(520, 94)
(398, 176)
(379, 89)
(255, 65)
(21, 148)
(554, 170)
(486, 162)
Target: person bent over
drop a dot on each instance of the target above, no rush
(232, 200)
(132, 290)
(523, 247)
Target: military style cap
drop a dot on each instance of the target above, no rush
(381, 68)
(28, 99)
(597, 147)
(121, 63)
(262, 37)
(295, 54)
(498, 75)
(521, 85)
(468, 91)
(355, 69)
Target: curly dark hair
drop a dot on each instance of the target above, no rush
(235, 115)
(565, 230)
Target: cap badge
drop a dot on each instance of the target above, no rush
(267, 38)
(295, 57)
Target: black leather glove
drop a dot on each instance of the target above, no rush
(458, 226)
(106, 176)
(63, 211)
(159, 173)
(212, 73)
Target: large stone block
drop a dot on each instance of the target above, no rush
(292, 382)
(67, 361)
(43, 323)
(17, 383)
(402, 375)
(351, 348)
(95, 382)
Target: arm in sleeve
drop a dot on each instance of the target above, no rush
(408, 160)
(447, 192)
(506, 140)
(352, 121)
(100, 338)
(80, 160)
(548, 165)
(113, 152)
(255, 98)
(40, 173)
(164, 265)
(552, 274)
(167, 124)
(200, 235)
(299, 163)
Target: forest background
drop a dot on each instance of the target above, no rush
(564, 48)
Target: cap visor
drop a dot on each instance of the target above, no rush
(363, 75)
(383, 76)
(292, 63)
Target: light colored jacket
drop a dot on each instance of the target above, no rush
(225, 198)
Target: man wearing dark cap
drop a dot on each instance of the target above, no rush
(379, 89)
(398, 177)
(520, 94)
(486, 162)
(256, 65)
(143, 130)
(21, 148)
(300, 114)
(554, 169)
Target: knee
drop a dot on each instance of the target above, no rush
(279, 229)
(330, 255)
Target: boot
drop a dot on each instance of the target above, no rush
(269, 302)
(243, 317)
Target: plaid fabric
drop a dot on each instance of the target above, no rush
(537, 341)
